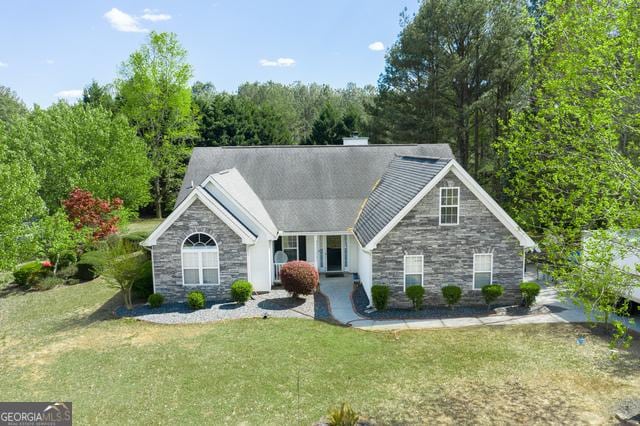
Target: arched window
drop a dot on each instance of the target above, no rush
(200, 262)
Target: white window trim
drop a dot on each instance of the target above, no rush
(404, 272)
(297, 247)
(475, 271)
(457, 206)
(200, 268)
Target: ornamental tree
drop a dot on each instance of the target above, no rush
(98, 215)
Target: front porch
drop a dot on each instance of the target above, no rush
(328, 253)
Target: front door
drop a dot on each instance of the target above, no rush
(334, 253)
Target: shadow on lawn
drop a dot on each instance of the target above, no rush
(103, 313)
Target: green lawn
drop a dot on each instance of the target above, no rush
(142, 225)
(64, 345)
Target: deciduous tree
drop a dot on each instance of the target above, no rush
(154, 92)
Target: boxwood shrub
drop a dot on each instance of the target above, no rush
(491, 293)
(241, 291)
(529, 292)
(155, 300)
(415, 293)
(196, 299)
(451, 294)
(90, 265)
(142, 286)
(28, 273)
(380, 296)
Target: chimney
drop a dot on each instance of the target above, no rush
(355, 139)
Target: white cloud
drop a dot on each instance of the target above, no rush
(280, 62)
(69, 94)
(124, 22)
(3, 64)
(155, 17)
(49, 62)
(376, 46)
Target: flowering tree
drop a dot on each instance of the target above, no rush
(87, 211)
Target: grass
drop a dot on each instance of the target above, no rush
(142, 225)
(64, 344)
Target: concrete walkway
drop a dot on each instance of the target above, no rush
(338, 291)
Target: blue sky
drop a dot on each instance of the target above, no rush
(52, 49)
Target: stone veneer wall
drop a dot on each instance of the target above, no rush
(167, 259)
(448, 250)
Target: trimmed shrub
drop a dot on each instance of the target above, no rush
(415, 293)
(241, 291)
(299, 277)
(68, 272)
(155, 300)
(380, 296)
(28, 273)
(451, 294)
(48, 283)
(196, 299)
(90, 265)
(491, 293)
(529, 293)
(142, 286)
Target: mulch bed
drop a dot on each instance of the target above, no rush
(360, 302)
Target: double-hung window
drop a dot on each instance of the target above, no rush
(200, 261)
(290, 247)
(449, 205)
(482, 270)
(413, 269)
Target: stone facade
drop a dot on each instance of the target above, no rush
(167, 254)
(448, 250)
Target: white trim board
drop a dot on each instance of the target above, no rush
(215, 207)
(453, 166)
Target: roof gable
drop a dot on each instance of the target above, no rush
(233, 191)
(198, 193)
(472, 185)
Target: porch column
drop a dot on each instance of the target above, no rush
(315, 251)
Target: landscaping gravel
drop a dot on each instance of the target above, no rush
(360, 301)
(277, 303)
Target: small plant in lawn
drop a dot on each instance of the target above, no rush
(196, 299)
(343, 416)
(491, 293)
(299, 277)
(28, 273)
(122, 265)
(451, 294)
(155, 300)
(380, 296)
(241, 291)
(529, 293)
(415, 293)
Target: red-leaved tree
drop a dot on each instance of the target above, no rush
(87, 211)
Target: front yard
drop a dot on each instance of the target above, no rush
(64, 344)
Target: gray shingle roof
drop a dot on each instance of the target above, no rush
(402, 181)
(306, 188)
